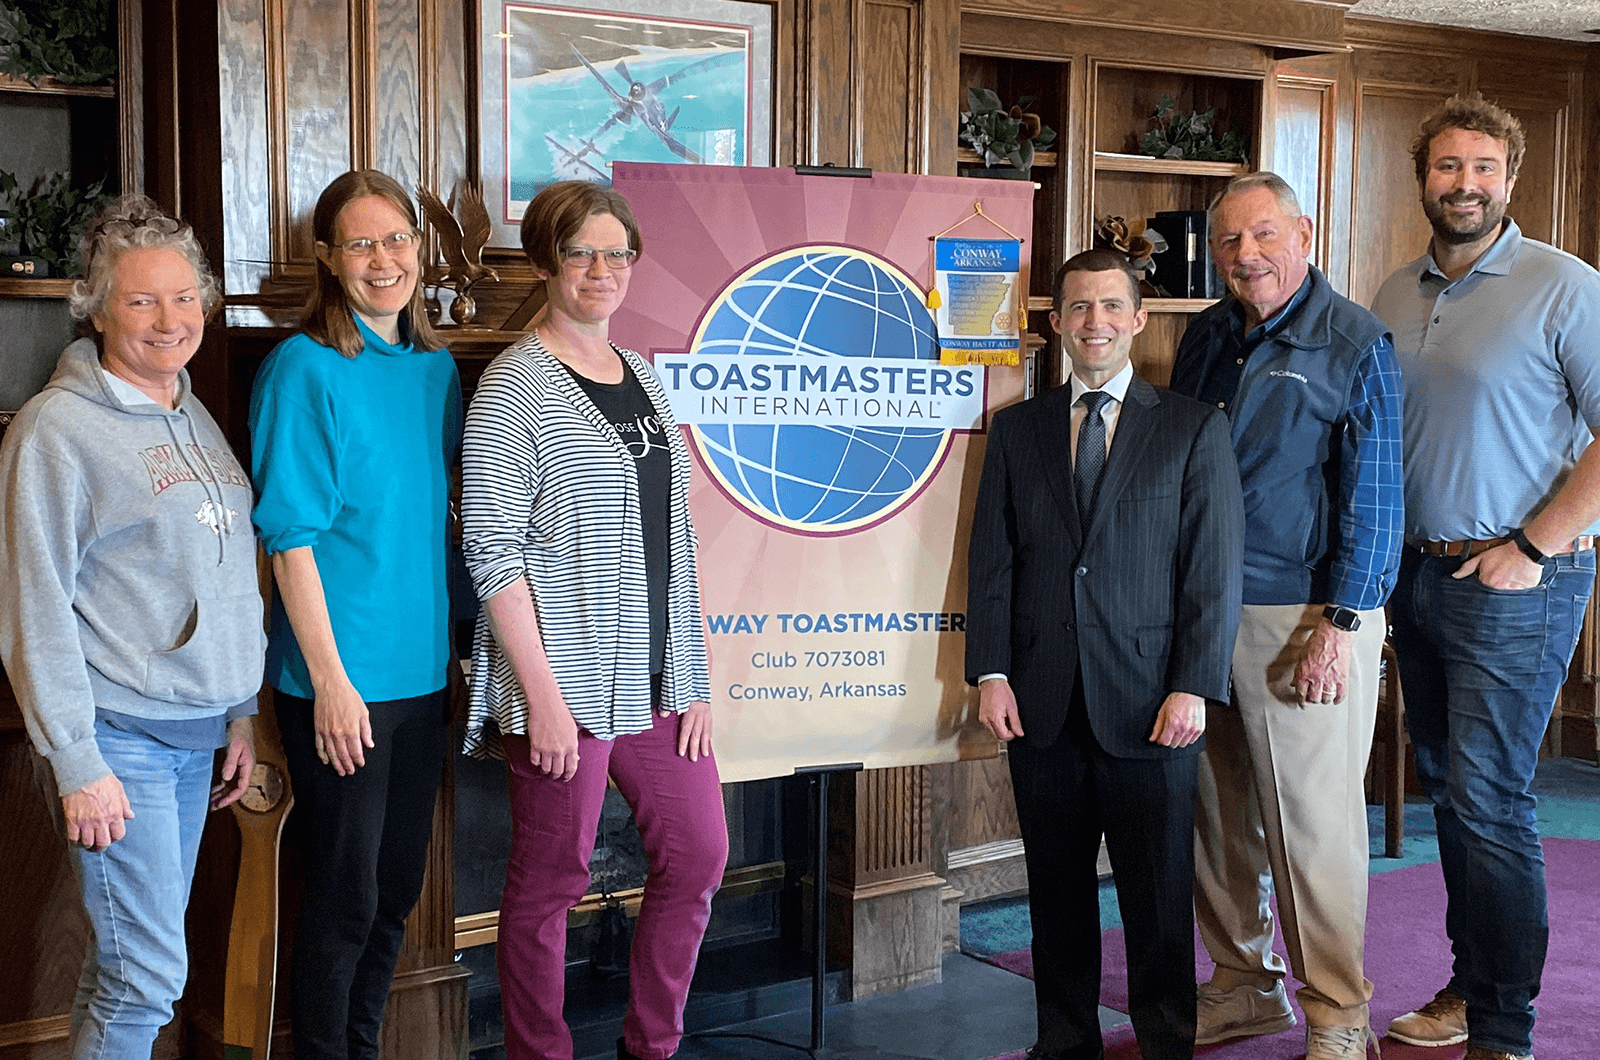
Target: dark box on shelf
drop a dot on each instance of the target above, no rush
(1184, 269)
(15, 267)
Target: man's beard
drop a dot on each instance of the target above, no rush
(1457, 231)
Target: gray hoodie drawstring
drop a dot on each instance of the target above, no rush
(206, 478)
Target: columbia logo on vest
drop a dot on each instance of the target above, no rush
(1291, 375)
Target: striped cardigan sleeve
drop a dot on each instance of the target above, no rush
(500, 460)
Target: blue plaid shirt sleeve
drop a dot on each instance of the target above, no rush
(1371, 499)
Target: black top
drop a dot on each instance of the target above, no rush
(627, 408)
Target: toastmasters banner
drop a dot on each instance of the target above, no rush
(787, 316)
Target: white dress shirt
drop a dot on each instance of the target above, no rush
(1111, 411)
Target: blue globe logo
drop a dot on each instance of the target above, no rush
(823, 301)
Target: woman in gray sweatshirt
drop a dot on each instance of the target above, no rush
(130, 617)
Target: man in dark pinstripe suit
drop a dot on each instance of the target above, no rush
(1103, 600)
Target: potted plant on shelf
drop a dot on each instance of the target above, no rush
(72, 41)
(48, 217)
(1192, 136)
(1005, 139)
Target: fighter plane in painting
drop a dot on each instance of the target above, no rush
(643, 101)
(571, 160)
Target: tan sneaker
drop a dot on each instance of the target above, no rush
(1242, 1011)
(1442, 1021)
(1478, 1052)
(1339, 1043)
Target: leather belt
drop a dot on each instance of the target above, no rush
(1466, 549)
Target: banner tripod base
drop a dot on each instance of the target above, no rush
(817, 1050)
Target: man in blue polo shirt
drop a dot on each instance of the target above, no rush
(1498, 338)
(1309, 383)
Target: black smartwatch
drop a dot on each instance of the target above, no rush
(1526, 547)
(1344, 618)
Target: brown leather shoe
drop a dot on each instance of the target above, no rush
(1478, 1052)
(1442, 1021)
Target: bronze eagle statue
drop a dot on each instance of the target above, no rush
(461, 242)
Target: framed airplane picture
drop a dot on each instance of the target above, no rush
(565, 91)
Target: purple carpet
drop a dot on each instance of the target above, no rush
(1408, 958)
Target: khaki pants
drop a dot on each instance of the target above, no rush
(1280, 792)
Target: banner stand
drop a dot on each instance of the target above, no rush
(819, 776)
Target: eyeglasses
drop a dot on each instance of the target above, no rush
(395, 243)
(614, 257)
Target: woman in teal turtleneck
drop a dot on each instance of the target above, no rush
(355, 423)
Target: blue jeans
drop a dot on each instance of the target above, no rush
(135, 893)
(1481, 669)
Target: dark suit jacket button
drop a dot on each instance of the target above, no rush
(1081, 571)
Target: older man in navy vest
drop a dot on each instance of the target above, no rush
(1309, 383)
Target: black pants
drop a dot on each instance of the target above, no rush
(1068, 793)
(365, 839)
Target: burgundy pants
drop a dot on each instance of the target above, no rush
(678, 804)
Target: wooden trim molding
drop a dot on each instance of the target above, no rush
(1424, 38)
(480, 929)
(983, 853)
(1286, 24)
(130, 95)
(363, 78)
(1327, 89)
(36, 1031)
(1363, 89)
(277, 134)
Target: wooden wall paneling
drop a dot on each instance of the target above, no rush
(130, 95)
(1332, 73)
(363, 69)
(1155, 348)
(889, 88)
(1387, 226)
(247, 166)
(446, 94)
(308, 76)
(828, 83)
(1539, 199)
(396, 104)
(44, 931)
(1544, 96)
(1425, 72)
(943, 95)
(885, 898)
(427, 1014)
(1303, 150)
(1283, 24)
(160, 173)
(1587, 163)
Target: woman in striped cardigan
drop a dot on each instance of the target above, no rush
(590, 659)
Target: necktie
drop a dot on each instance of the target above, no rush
(1091, 461)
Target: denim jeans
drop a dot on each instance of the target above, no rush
(1481, 669)
(135, 893)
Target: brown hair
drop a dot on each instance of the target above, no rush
(1098, 260)
(328, 316)
(557, 213)
(134, 222)
(1474, 114)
